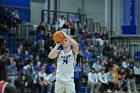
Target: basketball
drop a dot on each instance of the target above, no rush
(58, 37)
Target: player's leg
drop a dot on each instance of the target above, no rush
(70, 87)
(59, 88)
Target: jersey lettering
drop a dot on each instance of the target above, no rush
(65, 59)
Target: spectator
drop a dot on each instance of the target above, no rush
(61, 21)
(26, 56)
(125, 64)
(15, 17)
(87, 55)
(93, 81)
(41, 27)
(51, 78)
(39, 40)
(97, 66)
(137, 71)
(42, 78)
(36, 81)
(131, 82)
(98, 36)
(77, 71)
(82, 47)
(103, 79)
(23, 80)
(125, 52)
(12, 72)
(122, 76)
(30, 71)
(18, 55)
(86, 70)
(38, 66)
(112, 83)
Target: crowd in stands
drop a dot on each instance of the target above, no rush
(100, 65)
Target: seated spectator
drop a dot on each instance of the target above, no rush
(12, 72)
(112, 83)
(97, 66)
(103, 64)
(126, 52)
(86, 70)
(110, 63)
(125, 64)
(82, 47)
(122, 76)
(42, 78)
(37, 66)
(93, 81)
(18, 55)
(94, 52)
(137, 71)
(51, 78)
(115, 72)
(30, 71)
(26, 56)
(131, 82)
(107, 50)
(98, 36)
(102, 76)
(36, 81)
(23, 81)
(40, 27)
(86, 35)
(87, 55)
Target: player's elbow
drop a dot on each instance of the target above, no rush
(76, 45)
(50, 56)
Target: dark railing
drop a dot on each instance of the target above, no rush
(90, 24)
(52, 15)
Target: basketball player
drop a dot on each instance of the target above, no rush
(66, 59)
(5, 87)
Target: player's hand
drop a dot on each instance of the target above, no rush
(64, 34)
(58, 44)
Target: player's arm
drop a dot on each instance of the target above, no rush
(73, 42)
(54, 52)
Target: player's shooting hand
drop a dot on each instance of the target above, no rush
(58, 44)
(65, 35)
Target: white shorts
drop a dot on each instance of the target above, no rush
(67, 87)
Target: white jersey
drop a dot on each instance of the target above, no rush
(65, 66)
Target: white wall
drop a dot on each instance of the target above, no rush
(36, 12)
(69, 5)
(95, 9)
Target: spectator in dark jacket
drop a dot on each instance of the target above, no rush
(131, 80)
